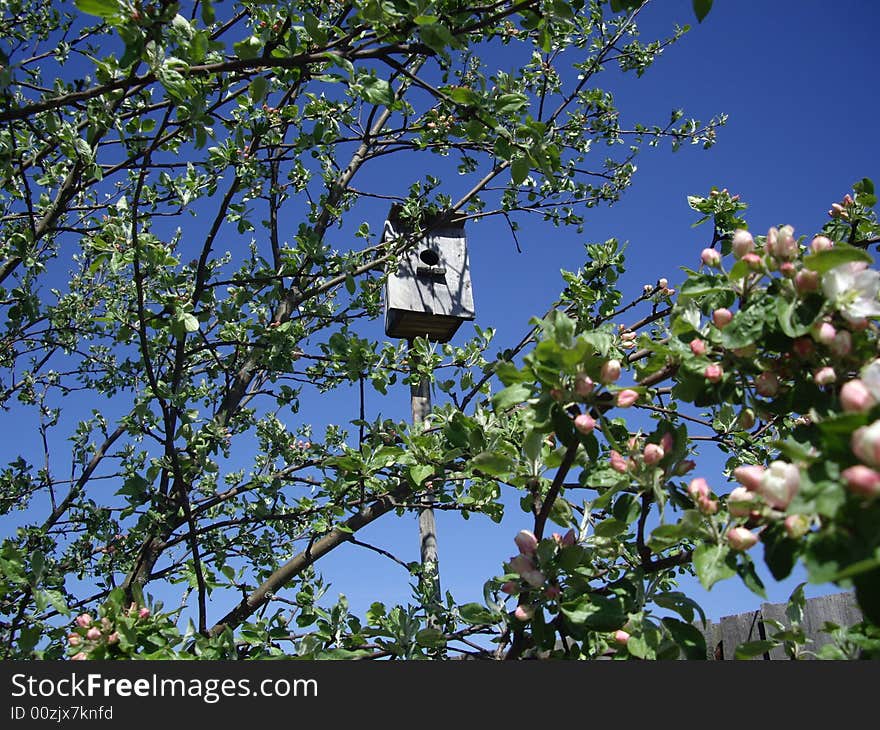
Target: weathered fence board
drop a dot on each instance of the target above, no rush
(723, 637)
(736, 630)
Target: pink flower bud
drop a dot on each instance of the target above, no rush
(862, 480)
(698, 489)
(698, 347)
(806, 281)
(144, 612)
(535, 578)
(740, 538)
(79, 657)
(583, 385)
(753, 261)
(707, 506)
(837, 211)
(685, 466)
(557, 394)
(722, 317)
(842, 344)
(740, 502)
(569, 538)
(710, 257)
(521, 564)
(787, 269)
(621, 636)
(824, 333)
(663, 283)
(84, 620)
(584, 423)
(713, 373)
(821, 243)
(74, 639)
(847, 199)
(767, 384)
(93, 634)
(781, 243)
(855, 397)
(667, 442)
(625, 398)
(524, 613)
(618, 463)
(113, 638)
(610, 372)
(653, 454)
(796, 526)
(750, 476)
(779, 484)
(825, 376)
(865, 444)
(526, 542)
(742, 243)
(511, 588)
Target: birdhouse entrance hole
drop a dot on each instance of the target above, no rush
(429, 257)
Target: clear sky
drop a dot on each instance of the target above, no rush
(798, 79)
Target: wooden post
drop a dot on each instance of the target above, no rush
(420, 393)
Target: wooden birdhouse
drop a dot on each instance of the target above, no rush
(429, 295)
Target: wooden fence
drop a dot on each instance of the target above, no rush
(723, 637)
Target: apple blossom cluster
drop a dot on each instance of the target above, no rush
(643, 459)
(90, 633)
(532, 581)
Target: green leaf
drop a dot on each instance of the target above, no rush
(376, 91)
(491, 463)
(841, 253)
(751, 649)
(258, 88)
(867, 587)
(28, 638)
(519, 169)
(513, 395)
(746, 327)
(593, 612)
(561, 514)
(101, 8)
(610, 527)
(701, 9)
(57, 600)
(780, 551)
(190, 322)
(475, 614)
(431, 638)
(248, 48)
(714, 563)
(746, 570)
(682, 604)
(688, 637)
(796, 318)
(420, 472)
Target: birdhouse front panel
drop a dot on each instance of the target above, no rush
(429, 295)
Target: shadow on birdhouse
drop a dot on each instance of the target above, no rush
(429, 294)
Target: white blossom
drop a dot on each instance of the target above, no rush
(853, 290)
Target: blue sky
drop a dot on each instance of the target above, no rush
(797, 80)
